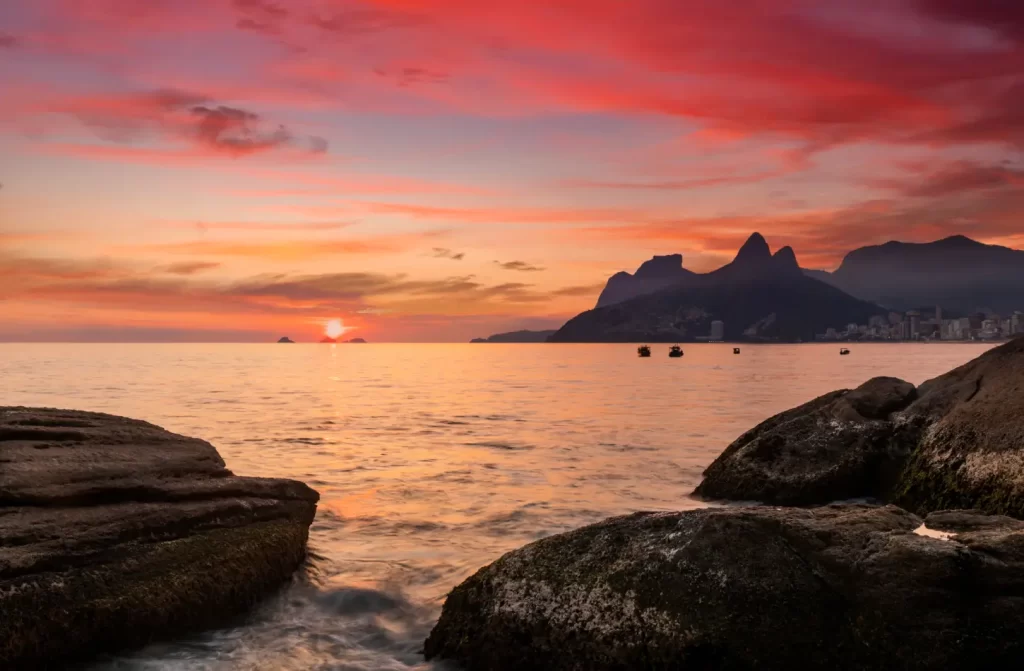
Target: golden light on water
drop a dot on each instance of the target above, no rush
(334, 328)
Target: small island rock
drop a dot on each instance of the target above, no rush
(287, 340)
(115, 532)
(841, 587)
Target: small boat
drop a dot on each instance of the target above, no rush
(844, 351)
(675, 351)
(735, 350)
(643, 350)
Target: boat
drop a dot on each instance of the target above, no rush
(844, 351)
(643, 350)
(675, 351)
(735, 350)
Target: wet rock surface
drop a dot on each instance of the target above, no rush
(837, 587)
(115, 532)
(957, 441)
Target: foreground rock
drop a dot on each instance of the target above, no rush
(841, 587)
(115, 532)
(955, 442)
(839, 446)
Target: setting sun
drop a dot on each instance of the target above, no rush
(334, 328)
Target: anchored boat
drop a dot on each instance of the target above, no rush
(643, 351)
(735, 350)
(675, 351)
(844, 351)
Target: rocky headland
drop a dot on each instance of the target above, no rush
(115, 533)
(931, 576)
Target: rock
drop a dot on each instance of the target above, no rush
(115, 532)
(838, 446)
(356, 341)
(840, 587)
(971, 448)
(286, 340)
(956, 442)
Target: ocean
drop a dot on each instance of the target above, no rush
(434, 460)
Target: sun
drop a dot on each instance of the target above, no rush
(334, 328)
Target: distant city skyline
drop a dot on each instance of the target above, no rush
(242, 170)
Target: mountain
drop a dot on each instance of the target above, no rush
(759, 296)
(658, 273)
(517, 337)
(956, 273)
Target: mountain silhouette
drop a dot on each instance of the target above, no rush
(517, 337)
(956, 273)
(657, 273)
(758, 296)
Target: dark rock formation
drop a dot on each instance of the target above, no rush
(286, 340)
(970, 453)
(115, 532)
(958, 444)
(757, 296)
(957, 273)
(327, 340)
(653, 275)
(840, 587)
(356, 341)
(838, 446)
(516, 337)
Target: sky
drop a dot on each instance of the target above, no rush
(437, 170)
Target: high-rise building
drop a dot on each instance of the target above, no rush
(717, 330)
(938, 314)
(963, 328)
(1017, 323)
(914, 318)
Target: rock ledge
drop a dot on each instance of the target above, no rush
(115, 532)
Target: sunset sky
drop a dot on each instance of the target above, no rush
(435, 170)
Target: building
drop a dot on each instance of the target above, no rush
(938, 315)
(717, 330)
(989, 329)
(1017, 323)
(963, 328)
(914, 317)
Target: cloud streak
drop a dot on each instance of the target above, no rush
(519, 266)
(445, 253)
